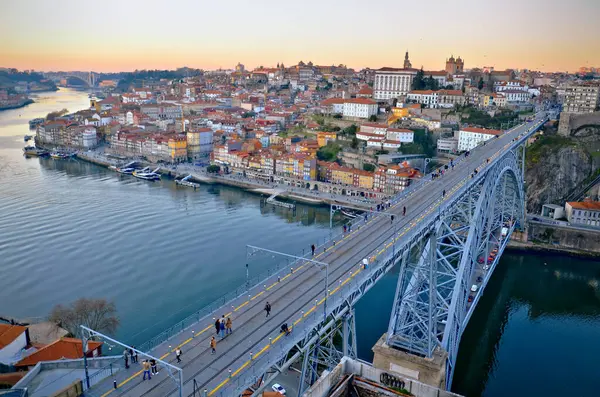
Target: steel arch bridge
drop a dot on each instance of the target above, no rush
(451, 241)
(434, 298)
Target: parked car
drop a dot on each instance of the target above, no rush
(486, 267)
(278, 388)
(479, 279)
(470, 299)
(474, 288)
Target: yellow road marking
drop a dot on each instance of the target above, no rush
(242, 305)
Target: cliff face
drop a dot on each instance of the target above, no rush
(557, 168)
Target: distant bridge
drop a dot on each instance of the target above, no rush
(447, 246)
(87, 77)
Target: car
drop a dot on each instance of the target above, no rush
(480, 260)
(470, 299)
(474, 288)
(479, 279)
(278, 388)
(486, 267)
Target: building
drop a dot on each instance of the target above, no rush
(199, 142)
(162, 111)
(581, 98)
(13, 339)
(393, 179)
(470, 137)
(402, 135)
(447, 145)
(64, 348)
(391, 83)
(333, 105)
(454, 66)
(428, 98)
(516, 96)
(359, 108)
(515, 85)
(583, 213)
(407, 64)
(323, 137)
(450, 98)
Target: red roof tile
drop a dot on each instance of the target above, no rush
(65, 348)
(9, 333)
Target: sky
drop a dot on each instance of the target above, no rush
(124, 35)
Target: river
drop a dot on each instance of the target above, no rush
(70, 229)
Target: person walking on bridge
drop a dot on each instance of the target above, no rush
(228, 325)
(403, 211)
(178, 354)
(218, 326)
(213, 345)
(268, 308)
(222, 326)
(391, 219)
(312, 247)
(443, 193)
(146, 366)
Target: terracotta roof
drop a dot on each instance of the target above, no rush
(438, 73)
(332, 101)
(451, 92)
(361, 101)
(422, 92)
(399, 130)
(366, 90)
(374, 125)
(585, 205)
(65, 348)
(481, 131)
(9, 333)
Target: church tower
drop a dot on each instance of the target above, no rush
(451, 65)
(460, 65)
(407, 64)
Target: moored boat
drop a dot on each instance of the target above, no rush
(349, 213)
(186, 182)
(33, 151)
(27, 137)
(147, 175)
(59, 155)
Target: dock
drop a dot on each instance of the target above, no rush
(272, 200)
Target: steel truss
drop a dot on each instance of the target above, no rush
(431, 307)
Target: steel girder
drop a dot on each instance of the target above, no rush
(430, 306)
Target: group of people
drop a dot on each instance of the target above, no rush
(223, 326)
(149, 366)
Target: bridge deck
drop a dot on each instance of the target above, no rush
(297, 297)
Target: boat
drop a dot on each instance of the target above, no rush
(147, 175)
(127, 171)
(59, 155)
(27, 137)
(349, 213)
(186, 182)
(33, 151)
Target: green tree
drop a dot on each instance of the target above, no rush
(350, 130)
(480, 84)
(369, 167)
(213, 168)
(329, 152)
(418, 81)
(373, 118)
(354, 143)
(432, 84)
(248, 114)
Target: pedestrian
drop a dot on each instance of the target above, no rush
(218, 326)
(228, 326)
(443, 193)
(213, 345)
(345, 228)
(126, 358)
(132, 355)
(178, 354)
(153, 368)
(349, 227)
(403, 211)
(312, 247)
(222, 326)
(146, 366)
(268, 308)
(392, 219)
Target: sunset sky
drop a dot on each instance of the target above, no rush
(124, 35)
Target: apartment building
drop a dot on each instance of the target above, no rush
(470, 137)
(581, 97)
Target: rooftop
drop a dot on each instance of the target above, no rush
(65, 348)
(585, 205)
(9, 333)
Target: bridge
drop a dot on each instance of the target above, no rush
(447, 246)
(89, 78)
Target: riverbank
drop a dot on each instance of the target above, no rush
(283, 191)
(21, 104)
(519, 246)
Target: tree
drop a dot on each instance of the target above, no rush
(213, 168)
(248, 114)
(328, 152)
(97, 314)
(354, 143)
(368, 167)
(373, 117)
(480, 84)
(350, 130)
(418, 81)
(432, 84)
(54, 115)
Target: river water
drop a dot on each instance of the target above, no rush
(69, 229)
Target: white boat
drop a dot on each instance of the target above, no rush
(127, 171)
(186, 182)
(349, 213)
(147, 175)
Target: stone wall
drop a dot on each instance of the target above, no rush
(544, 237)
(570, 123)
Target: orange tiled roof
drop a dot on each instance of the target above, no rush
(585, 205)
(65, 348)
(481, 130)
(9, 333)
(361, 101)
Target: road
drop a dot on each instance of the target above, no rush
(297, 295)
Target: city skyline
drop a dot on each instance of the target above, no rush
(124, 36)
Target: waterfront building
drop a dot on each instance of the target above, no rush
(470, 137)
(199, 142)
(583, 213)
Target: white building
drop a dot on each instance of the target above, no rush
(89, 137)
(447, 145)
(400, 134)
(425, 97)
(514, 85)
(583, 213)
(362, 108)
(516, 96)
(392, 83)
(333, 105)
(470, 137)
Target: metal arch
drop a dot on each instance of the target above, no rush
(479, 234)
